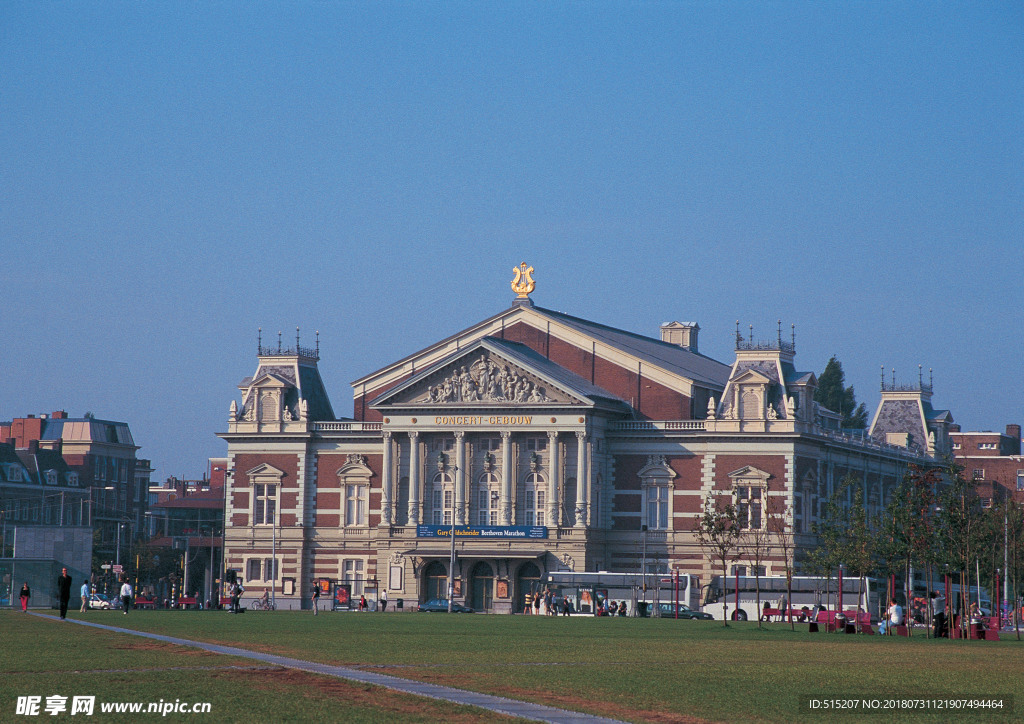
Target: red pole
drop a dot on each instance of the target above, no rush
(736, 611)
(839, 608)
(677, 594)
(999, 610)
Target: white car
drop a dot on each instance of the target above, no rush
(98, 600)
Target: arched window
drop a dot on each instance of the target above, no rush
(442, 499)
(534, 499)
(487, 499)
(354, 481)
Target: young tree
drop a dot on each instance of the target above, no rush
(957, 532)
(757, 547)
(778, 525)
(718, 533)
(835, 396)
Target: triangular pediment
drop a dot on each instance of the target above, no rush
(266, 471)
(488, 373)
(751, 377)
(748, 472)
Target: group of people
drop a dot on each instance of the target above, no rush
(611, 608)
(64, 584)
(546, 603)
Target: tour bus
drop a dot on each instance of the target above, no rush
(809, 591)
(590, 590)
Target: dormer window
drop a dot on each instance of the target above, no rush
(51, 477)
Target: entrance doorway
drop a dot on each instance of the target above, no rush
(527, 581)
(435, 582)
(482, 586)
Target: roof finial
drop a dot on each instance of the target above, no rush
(883, 378)
(739, 339)
(780, 334)
(920, 377)
(318, 344)
(751, 333)
(894, 378)
(259, 341)
(792, 335)
(296, 340)
(931, 379)
(279, 341)
(523, 283)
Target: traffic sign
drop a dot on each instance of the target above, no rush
(118, 568)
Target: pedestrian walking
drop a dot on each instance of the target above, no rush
(362, 603)
(316, 598)
(126, 596)
(64, 592)
(85, 595)
(383, 601)
(25, 594)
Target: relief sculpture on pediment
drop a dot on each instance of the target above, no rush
(485, 381)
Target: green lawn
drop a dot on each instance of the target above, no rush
(634, 669)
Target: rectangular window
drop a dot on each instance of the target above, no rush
(956, 446)
(1020, 480)
(253, 570)
(536, 444)
(748, 506)
(269, 569)
(443, 444)
(979, 473)
(530, 510)
(352, 574)
(355, 505)
(657, 507)
(265, 504)
(489, 444)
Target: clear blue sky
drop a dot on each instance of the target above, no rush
(175, 175)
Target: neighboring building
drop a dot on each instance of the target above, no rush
(550, 442)
(993, 461)
(44, 519)
(101, 456)
(188, 515)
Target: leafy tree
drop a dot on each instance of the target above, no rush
(957, 528)
(718, 533)
(832, 394)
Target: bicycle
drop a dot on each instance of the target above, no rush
(259, 605)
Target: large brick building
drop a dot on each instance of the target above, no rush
(552, 443)
(993, 461)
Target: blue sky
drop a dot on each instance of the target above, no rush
(175, 175)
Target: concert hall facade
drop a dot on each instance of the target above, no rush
(545, 442)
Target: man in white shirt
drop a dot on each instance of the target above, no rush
(85, 595)
(895, 615)
(126, 596)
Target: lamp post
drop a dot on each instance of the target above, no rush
(451, 562)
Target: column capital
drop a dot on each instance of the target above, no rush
(459, 435)
(505, 435)
(414, 435)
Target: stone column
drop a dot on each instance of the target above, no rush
(582, 489)
(507, 475)
(460, 478)
(554, 484)
(414, 478)
(385, 482)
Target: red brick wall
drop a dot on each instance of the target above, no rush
(773, 464)
(361, 404)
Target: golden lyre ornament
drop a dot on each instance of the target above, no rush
(523, 284)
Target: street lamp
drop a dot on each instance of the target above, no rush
(451, 562)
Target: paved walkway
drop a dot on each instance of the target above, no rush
(522, 709)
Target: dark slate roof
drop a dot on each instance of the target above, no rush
(671, 357)
(525, 357)
(87, 428)
(315, 394)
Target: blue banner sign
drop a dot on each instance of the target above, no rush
(505, 532)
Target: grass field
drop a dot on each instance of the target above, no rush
(640, 670)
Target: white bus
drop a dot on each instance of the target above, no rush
(807, 591)
(586, 591)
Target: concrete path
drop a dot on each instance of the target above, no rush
(522, 709)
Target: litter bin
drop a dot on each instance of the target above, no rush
(400, 604)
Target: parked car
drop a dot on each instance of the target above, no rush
(100, 601)
(440, 605)
(668, 610)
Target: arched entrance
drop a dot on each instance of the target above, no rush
(481, 582)
(435, 582)
(527, 581)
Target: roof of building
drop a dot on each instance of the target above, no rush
(87, 429)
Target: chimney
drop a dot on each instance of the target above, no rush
(33, 447)
(681, 334)
(59, 415)
(954, 427)
(1013, 432)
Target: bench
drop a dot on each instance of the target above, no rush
(185, 602)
